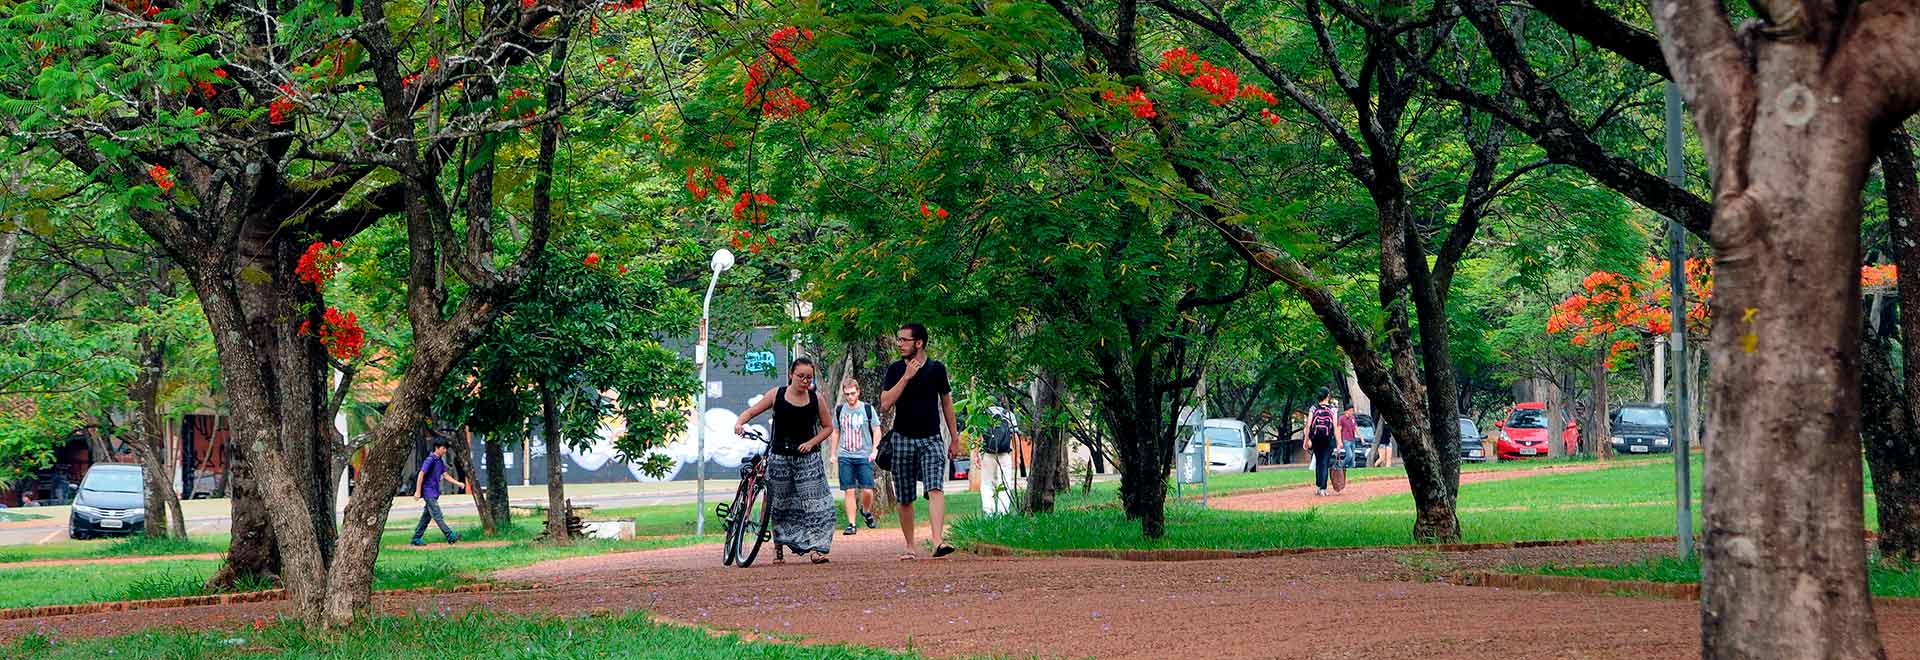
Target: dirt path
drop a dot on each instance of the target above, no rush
(1301, 498)
(40, 563)
(965, 605)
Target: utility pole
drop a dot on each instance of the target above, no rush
(1677, 339)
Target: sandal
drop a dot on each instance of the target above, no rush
(819, 558)
(907, 556)
(943, 550)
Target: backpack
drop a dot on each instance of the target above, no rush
(1320, 424)
(998, 440)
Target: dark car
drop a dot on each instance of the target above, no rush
(1641, 428)
(958, 468)
(1473, 447)
(112, 500)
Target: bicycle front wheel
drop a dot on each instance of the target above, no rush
(755, 524)
(733, 524)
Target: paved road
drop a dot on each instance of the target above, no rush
(210, 517)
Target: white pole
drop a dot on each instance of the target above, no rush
(1660, 370)
(722, 260)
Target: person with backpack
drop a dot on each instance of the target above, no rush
(856, 436)
(996, 463)
(1322, 439)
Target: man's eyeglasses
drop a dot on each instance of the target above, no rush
(904, 339)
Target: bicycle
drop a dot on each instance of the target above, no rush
(750, 512)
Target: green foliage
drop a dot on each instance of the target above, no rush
(589, 329)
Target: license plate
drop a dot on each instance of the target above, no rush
(1529, 452)
(1475, 453)
(110, 524)
(1638, 449)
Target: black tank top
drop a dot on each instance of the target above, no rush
(794, 425)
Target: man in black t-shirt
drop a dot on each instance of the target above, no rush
(918, 389)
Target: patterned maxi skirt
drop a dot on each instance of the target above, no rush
(803, 515)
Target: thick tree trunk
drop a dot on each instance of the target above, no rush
(1049, 472)
(1134, 411)
(1556, 401)
(556, 452)
(252, 553)
(1893, 453)
(497, 481)
(1893, 456)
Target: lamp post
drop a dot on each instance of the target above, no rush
(1677, 340)
(722, 260)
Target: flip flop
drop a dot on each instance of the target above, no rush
(820, 558)
(943, 550)
(907, 556)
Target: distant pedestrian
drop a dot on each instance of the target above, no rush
(796, 475)
(1383, 445)
(426, 486)
(1350, 432)
(996, 463)
(856, 431)
(1322, 439)
(918, 390)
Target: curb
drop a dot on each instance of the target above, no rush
(203, 601)
(1604, 587)
(992, 550)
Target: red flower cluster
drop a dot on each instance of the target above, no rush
(1138, 102)
(592, 260)
(1880, 276)
(527, 4)
(926, 212)
(1614, 302)
(778, 103)
(280, 108)
(699, 188)
(340, 333)
(745, 241)
(1221, 85)
(320, 263)
(782, 103)
(752, 207)
(626, 5)
(161, 177)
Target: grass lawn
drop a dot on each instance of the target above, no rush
(397, 568)
(471, 635)
(1634, 499)
(1892, 580)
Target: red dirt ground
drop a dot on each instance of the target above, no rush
(1366, 486)
(965, 605)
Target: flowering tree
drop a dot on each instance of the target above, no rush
(1617, 311)
(239, 138)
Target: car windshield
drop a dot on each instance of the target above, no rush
(1468, 430)
(1528, 418)
(1643, 416)
(1363, 421)
(1224, 437)
(112, 481)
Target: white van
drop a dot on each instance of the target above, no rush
(1228, 447)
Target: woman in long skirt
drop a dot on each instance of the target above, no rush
(802, 509)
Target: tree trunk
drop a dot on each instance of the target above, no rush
(1893, 451)
(1049, 472)
(1893, 455)
(149, 441)
(1785, 112)
(1556, 401)
(251, 551)
(1597, 433)
(497, 481)
(462, 451)
(9, 243)
(556, 452)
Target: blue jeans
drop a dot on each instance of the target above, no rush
(855, 472)
(431, 511)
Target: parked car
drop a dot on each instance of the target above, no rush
(959, 468)
(112, 500)
(1228, 447)
(1641, 428)
(1363, 447)
(1523, 434)
(1473, 447)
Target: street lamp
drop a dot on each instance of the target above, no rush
(722, 260)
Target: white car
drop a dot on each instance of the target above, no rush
(1228, 447)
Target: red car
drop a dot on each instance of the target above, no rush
(1523, 434)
